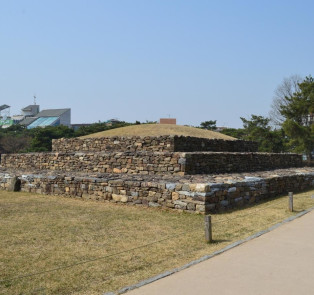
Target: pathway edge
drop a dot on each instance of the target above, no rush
(206, 257)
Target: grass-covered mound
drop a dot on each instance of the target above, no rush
(160, 129)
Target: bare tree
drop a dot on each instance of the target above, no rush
(282, 94)
(14, 144)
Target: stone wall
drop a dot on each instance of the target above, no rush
(153, 144)
(254, 189)
(201, 197)
(208, 162)
(110, 162)
(133, 191)
(195, 144)
(119, 144)
(152, 162)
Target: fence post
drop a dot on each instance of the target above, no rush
(14, 184)
(208, 229)
(291, 201)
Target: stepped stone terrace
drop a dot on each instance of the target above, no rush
(177, 172)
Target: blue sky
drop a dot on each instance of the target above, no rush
(146, 59)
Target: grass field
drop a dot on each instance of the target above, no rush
(158, 130)
(55, 245)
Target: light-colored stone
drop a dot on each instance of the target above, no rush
(232, 189)
(200, 208)
(153, 204)
(124, 199)
(175, 196)
(202, 187)
(116, 198)
(181, 203)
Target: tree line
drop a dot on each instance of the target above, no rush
(290, 125)
(17, 138)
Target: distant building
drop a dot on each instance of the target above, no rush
(112, 122)
(172, 121)
(17, 118)
(5, 119)
(219, 129)
(27, 121)
(51, 117)
(30, 111)
(31, 117)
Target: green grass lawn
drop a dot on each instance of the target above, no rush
(55, 245)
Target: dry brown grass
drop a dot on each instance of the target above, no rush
(40, 233)
(160, 129)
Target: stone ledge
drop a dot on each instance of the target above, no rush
(198, 194)
(149, 163)
(152, 143)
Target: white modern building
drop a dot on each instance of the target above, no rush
(51, 117)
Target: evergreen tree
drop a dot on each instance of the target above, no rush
(258, 129)
(299, 118)
(209, 125)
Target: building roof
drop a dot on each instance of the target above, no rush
(3, 107)
(43, 122)
(168, 121)
(52, 113)
(30, 108)
(28, 120)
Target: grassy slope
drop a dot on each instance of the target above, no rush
(160, 129)
(39, 233)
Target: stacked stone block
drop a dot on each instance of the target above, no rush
(180, 194)
(152, 162)
(133, 171)
(152, 144)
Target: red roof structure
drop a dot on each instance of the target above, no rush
(172, 121)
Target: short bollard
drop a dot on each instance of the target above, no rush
(208, 229)
(291, 201)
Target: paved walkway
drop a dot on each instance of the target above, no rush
(279, 262)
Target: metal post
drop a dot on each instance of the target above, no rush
(208, 229)
(291, 201)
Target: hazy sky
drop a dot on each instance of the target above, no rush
(145, 59)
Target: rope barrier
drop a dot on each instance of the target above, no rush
(94, 259)
(242, 216)
(131, 249)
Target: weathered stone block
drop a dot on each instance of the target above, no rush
(116, 198)
(191, 206)
(175, 196)
(124, 199)
(200, 208)
(224, 203)
(153, 204)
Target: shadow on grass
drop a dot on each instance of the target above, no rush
(217, 241)
(263, 200)
(297, 211)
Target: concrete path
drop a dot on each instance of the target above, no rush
(279, 262)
